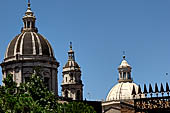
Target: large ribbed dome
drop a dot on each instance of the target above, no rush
(29, 43)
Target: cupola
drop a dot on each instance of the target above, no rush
(124, 71)
(29, 20)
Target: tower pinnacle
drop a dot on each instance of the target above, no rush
(70, 45)
(29, 4)
(71, 53)
(29, 12)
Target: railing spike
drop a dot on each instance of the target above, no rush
(145, 89)
(139, 90)
(133, 91)
(162, 88)
(150, 89)
(156, 88)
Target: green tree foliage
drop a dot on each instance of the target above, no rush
(77, 107)
(34, 97)
(8, 97)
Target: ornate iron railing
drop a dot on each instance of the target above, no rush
(152, 101)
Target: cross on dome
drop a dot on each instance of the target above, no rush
(29, 12)
(70, 45)
(29, 3)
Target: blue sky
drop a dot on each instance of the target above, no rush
(100, 31)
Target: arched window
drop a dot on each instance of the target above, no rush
(129, 76)
(28, 24)
(78, 95)
(66, 79)
(33, 25)
(124, 75)
(66, 93)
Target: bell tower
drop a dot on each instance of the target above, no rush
(72, 86)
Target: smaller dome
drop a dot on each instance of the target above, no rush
(122, 91)
(71, 64)
(124, 63)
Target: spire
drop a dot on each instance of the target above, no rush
(71, 59)
(71, 53)
(29, 20)
(29, 5)
(29, 12)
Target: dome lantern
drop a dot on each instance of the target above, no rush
(29, 20)
(124, 71)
